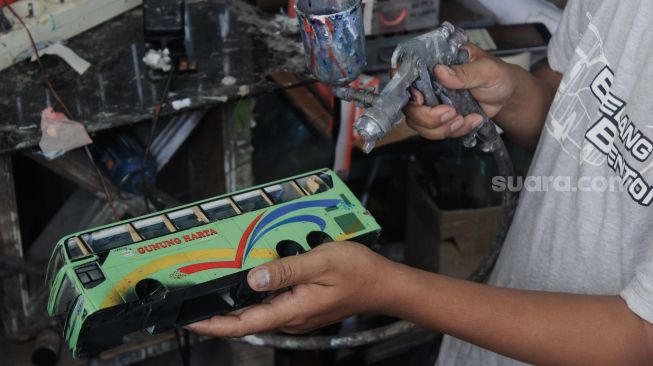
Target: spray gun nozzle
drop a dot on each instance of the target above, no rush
(368, 146)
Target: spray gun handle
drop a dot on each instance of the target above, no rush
(465, 104)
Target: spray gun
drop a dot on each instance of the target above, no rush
(333, 36)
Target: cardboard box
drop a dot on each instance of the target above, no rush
(450, 242)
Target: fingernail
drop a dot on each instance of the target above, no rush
(259, 278)
(477, 122)
(448, 116)
(456, 125)
(448, 70)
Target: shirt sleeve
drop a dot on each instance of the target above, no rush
(639, 292)
(563, 43)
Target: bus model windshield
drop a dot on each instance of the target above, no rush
(56, 263)
(65, 298)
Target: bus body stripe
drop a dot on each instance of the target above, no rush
(282, 211)
(301, 218)
(236, 263)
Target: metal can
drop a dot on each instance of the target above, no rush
(334, 39)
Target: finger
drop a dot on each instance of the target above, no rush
(285, 272)
(474, 52)
(417, 98)
(255, 319)
(430, 117)
(470, 123)
(467, 76)
(442, 132)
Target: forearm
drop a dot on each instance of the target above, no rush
(535, 327)
(523, 117)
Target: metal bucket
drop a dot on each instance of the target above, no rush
(334, 39)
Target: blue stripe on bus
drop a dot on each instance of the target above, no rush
(282, 211)
(301, 218)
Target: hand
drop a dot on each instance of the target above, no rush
(491, 81)
(328, 284)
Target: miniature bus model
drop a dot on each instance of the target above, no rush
(182, 265)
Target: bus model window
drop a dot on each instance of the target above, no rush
(326, 178)
(110, 238)
(313, 184)
(284, 192)
(152, 227)
(252, 201)
(185, 219)
(76, 248)
(219, 210)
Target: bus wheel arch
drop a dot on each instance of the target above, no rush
(288, 248)
(149, 289)
(315, 238)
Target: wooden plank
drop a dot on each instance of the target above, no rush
(265, 197)
(133, 233)
(235, 206)
(306, 103)
(216, 158)
(237, 144)
(200, 215)
(297, 188)
(168, 223)
(81, 246)
(14, 286)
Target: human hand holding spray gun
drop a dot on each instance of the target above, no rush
(333, 36)
(334, 41)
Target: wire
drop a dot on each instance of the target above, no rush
(156, 113)
(54, 92)
(184, 348)
(38, 59)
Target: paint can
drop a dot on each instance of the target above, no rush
(334, 39)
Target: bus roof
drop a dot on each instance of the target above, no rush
(118, 227)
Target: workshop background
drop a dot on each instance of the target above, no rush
(231, 105)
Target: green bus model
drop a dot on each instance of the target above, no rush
(185, 264)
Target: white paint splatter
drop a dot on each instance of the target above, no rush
(228, 80)
(180, 104)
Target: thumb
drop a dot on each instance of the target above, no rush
(284, 272)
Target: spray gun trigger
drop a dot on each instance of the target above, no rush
(424, 85)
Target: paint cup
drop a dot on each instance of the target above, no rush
(334, 39)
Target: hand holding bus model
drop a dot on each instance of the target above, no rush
(329, 283)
